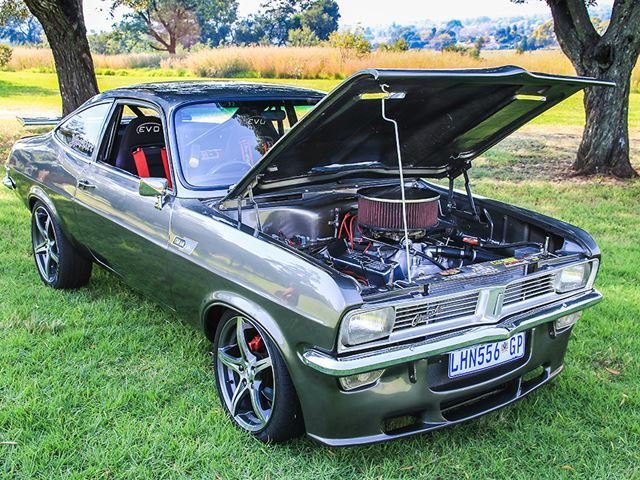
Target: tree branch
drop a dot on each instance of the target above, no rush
(582, 22)
(625, 25)
(565, 31)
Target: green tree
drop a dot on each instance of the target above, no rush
(478, 45)
(610, 55)
(278, 17)
(303, 37)
(272, 23)
(321, 17)
(121, 39)
(397, 45)
(167, 23)
(22, 31)
(64, 27)
(216, 19)
(543, 36)
(350, 43)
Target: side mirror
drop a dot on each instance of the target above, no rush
(154, 187)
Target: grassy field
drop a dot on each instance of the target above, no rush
(99, 383)
(298, 62)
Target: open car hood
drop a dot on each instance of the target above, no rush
(445, 119)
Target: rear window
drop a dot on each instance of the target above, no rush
(81, 132)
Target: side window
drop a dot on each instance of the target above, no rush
(135, 143)
(129, 114)
(81, 132)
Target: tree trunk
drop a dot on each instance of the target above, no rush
(63, 24)
(605, 142)
(611, 56)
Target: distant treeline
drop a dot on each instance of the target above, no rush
(175, 26)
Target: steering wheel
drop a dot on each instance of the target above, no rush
(231, 168)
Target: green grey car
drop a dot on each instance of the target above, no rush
(350, 290)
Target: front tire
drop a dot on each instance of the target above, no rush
(253, 382)
(59, 264)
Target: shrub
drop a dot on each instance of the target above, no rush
(350, 43)
(5, 55)
(398, 45)
(303, 37)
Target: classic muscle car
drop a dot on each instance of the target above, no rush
(350, 289)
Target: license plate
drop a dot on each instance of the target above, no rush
(488, 355)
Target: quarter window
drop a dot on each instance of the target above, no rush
(81, 132)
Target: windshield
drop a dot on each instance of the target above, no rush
(218, 143)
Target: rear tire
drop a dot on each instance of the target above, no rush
(253, 382)
(58, 263)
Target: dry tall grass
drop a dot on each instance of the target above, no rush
(24, 58)
(300, 62)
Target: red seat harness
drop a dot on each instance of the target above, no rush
(142, 166)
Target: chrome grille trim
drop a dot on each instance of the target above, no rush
(528, 288)
(437, 310)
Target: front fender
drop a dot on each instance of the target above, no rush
(249, 308)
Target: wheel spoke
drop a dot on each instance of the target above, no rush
(235, 364)
(242, 341)
(54, 255)
(237, 397)
(40, 248)
(45, 264)
(41, 227)
(47, 226)
(262, 365)
(267, 393)
(254, 394)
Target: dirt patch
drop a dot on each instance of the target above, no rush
(541, 153)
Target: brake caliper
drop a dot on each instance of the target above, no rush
(256, 344)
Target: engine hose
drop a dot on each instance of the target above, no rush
(463, 253)
(427, 257)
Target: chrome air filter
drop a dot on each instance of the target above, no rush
(380, 209)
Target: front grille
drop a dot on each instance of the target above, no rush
(436, 311)
(528, 289)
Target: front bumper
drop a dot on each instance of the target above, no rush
(415, 385)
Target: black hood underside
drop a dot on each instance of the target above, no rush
(445, 119)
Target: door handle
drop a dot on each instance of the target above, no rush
(85, 185)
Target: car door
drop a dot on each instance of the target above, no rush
(124, 231)
(74, 143)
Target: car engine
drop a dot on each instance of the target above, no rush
(364, 237)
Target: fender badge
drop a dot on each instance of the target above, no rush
(185, 244)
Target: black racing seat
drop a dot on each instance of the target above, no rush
(142, 151)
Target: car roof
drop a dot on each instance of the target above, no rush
(170, 94)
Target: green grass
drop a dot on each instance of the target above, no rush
(99, 383)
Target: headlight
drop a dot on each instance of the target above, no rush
(362, 327)
(572, 278)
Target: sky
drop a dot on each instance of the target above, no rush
(372, 12)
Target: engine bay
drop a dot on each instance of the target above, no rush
(363, 235)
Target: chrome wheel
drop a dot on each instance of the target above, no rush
(245, 373)
(45, 245)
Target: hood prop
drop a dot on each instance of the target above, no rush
(467, 186)
(385, 90)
